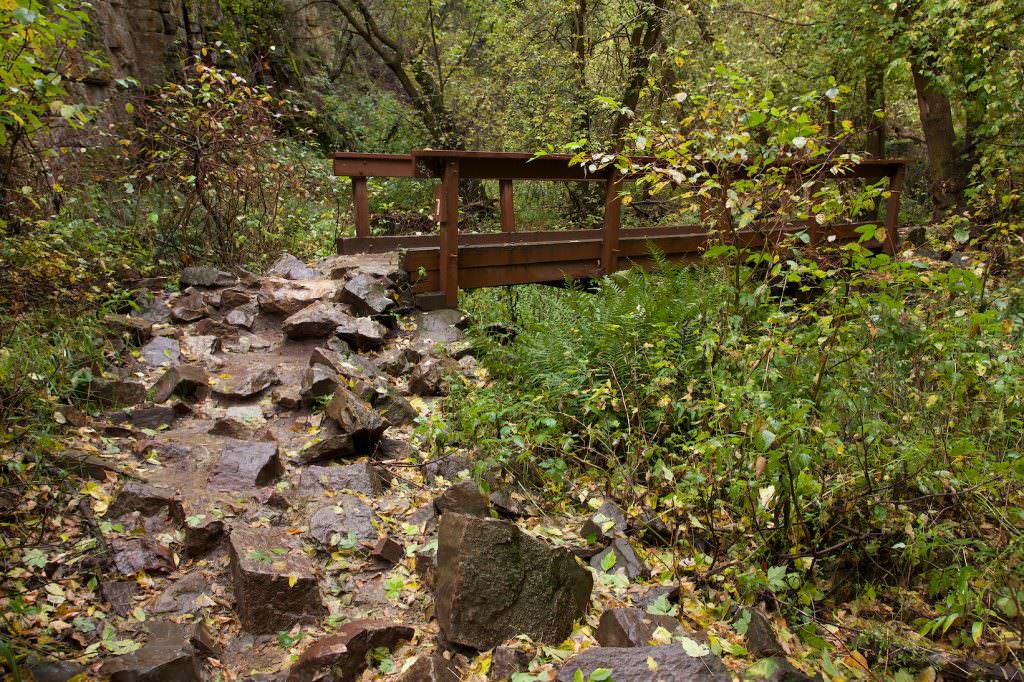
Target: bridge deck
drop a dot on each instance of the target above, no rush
(442, 263)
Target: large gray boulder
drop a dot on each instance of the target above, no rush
(494, 582)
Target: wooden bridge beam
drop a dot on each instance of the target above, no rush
(449, 257)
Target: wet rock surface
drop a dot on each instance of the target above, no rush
(275, 583)
(630, 664)
(273, 486)
(494, 582)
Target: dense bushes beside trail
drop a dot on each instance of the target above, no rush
(866, 442)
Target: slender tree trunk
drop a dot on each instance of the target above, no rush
(874, 99)
(946, 166)
(643, 41)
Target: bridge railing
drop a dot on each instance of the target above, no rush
(511, 257)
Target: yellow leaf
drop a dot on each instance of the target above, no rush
(292, 580)
(652, 664)
(8, 4)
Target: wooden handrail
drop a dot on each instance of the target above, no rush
(450, 166)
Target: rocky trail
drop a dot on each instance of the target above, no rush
(266, 511)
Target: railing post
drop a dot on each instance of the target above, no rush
(360, 207)
(449, 252)
(508, 210)
(612, 223)
(892, 209)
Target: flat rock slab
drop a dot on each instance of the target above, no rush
(246, 464)
(439, 326)
(376, 264)
(263, 563)
(148, 500)
(632, 627)
(626, 562)
(345, 652)
(346, 519)
(132, 555)
(434, 669)
(246, 384)
(630, 664)
(361, 477)
(162, 351)
(172, 654)
(189, 308)
(206, 276)
(114, 392)
(494, 582)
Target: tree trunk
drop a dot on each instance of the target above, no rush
(946, 166)
(874, 99)
(643, 41)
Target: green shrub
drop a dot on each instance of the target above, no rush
(869, 437)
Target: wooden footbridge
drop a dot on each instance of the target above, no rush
(440, 264)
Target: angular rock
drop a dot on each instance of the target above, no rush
(388, 550)
(431, 669)
(357, 419)
(495, 582)
(393, 407)
(232, 298)
(332, 446)
(222, 330)
(287, 397)
(152, 418)
(189, 308)
(429, 376)
(162, 351)
(361, 333)
(173, 653)
(264, 561)
(366, 295)
(165, 452)
(398, 361)
(654, 595)
(315, 321)
(346, 518)
(604, 524)
(187, 381)
(507, 504)
(630, 664)
(202, 534)
(506, 661)
(200, 347)
(285, 297)
(247, 384)
(151, 308)
(114, 392)
(132, 555)
(137, 329)
(243, 316)
(345, 652)
(448, 467)
(632, 627)
(318, 381)
(760, 635)
(232, 428)
(626, 560)
(206, 276)
(439, 326)
(361, 477)
(246, 464)
(290, 267)
(426, 568)
(119, 594)
(462, 498)
(148, 500)
(181, 595)
(53, 671)
(395, 449)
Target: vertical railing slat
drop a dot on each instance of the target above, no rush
(361, 207)
(449, 252)
(508, 210)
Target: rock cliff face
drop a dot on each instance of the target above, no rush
(140, 38)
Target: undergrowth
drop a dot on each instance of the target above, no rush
(854, 436)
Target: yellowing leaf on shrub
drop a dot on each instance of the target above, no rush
(292, 580)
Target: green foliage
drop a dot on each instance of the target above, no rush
(37, 44)
(872, 433)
